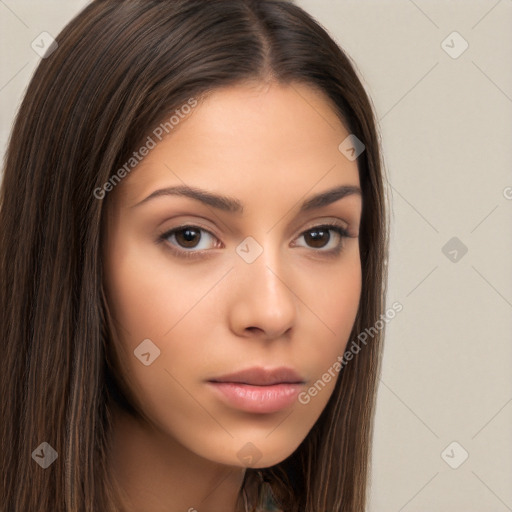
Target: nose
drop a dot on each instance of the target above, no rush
(263, 303)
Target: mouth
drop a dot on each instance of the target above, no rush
(258, 390)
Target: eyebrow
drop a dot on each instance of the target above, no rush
(232, 205)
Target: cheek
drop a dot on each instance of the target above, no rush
(337, 307)
(158, 310)
(333, 300)
(344, 303)
(159, 343)
(148, 296)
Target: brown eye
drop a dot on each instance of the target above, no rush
(318, 238)
(188, 237)
(186, 241)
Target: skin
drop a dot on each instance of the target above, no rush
(270, 146)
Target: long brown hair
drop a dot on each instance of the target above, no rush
(119, 66)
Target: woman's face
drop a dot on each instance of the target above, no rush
(249, 282)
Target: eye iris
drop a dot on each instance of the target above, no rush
(316, 236)
(189, 235)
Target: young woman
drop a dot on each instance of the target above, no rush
(193, 237)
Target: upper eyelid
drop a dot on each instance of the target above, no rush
(337, 222)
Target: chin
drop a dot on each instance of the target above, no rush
(254, 454)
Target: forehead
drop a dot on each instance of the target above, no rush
(251, 137)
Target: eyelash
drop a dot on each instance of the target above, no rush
(162, 239)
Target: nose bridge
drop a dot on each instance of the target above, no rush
(263, 293)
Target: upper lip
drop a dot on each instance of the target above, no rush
(258, 376)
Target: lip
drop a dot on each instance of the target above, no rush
(259, 376)
(258, 390)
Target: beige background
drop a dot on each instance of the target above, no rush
(446, 130)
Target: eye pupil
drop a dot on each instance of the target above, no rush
(189, 235)
(316, 236)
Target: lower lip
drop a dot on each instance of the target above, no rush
(257, 399)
